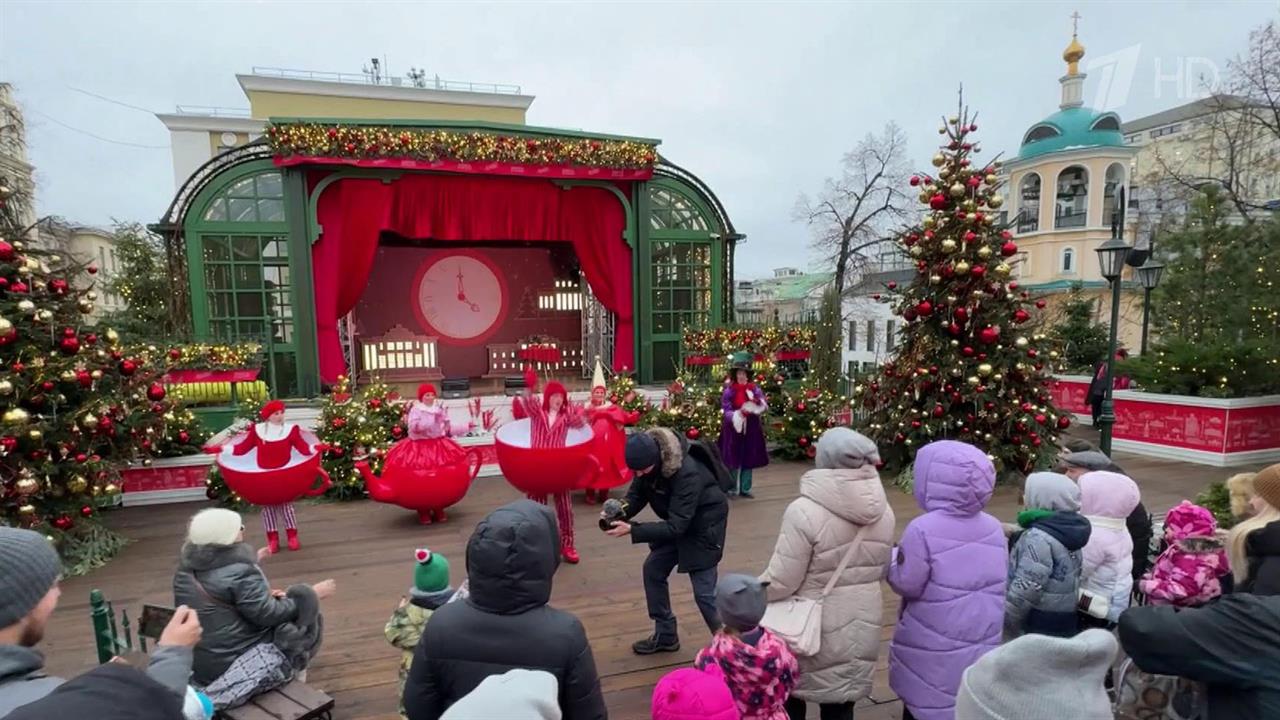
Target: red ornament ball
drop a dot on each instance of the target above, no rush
(156, 392)
(128, 367)
(938, 202)
(1041, 419)
(938, 411)
(914, 181)
(90, 339)
(989, 335)
(803, 441)
(397, 431)
(967, 351)
(63, 522)
(1064, 422)
(892, 285)
(184, 436)
(92, 269)
(338, 423)
(6, 251)
(925, 308)
(69, 345)
(1021, 316)
(58, 286)
(811, 452)
(960, 314)
(978, 270)
(175, 354)
(1008, 249)
(693, 433)
(82, 458)
(19, 287)
(375, 403)
(86, 511)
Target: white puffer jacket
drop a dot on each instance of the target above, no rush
(1107, 498)
(817, 530)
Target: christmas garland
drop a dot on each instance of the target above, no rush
(385, 142)
(207, 356)
(789, 342)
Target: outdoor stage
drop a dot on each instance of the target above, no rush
(367, 547)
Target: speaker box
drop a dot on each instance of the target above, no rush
(513, 385)
(454, 388)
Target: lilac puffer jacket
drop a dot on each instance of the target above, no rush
(950, 570)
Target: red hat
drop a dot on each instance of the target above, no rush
(271, 408)
(425, 388)
(553, 388)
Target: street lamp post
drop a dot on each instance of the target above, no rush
(1111, 257)
(1149, 277)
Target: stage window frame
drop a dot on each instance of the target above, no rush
(243, 276)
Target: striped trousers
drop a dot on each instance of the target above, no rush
(564, 515)
(273, 515)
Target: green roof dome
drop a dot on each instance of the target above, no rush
(1069, 129)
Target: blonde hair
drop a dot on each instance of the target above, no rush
(1240, 533)
(1240, 490)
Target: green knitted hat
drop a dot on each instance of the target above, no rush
(432, 571)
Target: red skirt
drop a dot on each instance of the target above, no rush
(425, 453)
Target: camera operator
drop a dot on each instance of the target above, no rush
(683, 483)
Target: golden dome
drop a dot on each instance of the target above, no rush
(1073, 54)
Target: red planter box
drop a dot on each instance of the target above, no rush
(1209, 431)
(168, 480)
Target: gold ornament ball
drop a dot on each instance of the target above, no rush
(15, 416)
(6, 387)
(944, 173)
(5, 326)
(111, 489)
(68, 376)
(915, 251)
(90, 421)
(1003, 269)
(928, 222)
(26, 306)
(924, 197)
(55, 259)
(77, 484)
(1020, 342)
(997, 377)
(970, 205)
(1053, 354)
(27, 510)
(85, 306)
(995, 201)
(44, 315)
(957, 190)
(972, 380)
(985, 369)
(939, 160)
(113, 337)
(24, 271)
(96, 374)
(984, 252)
(935, 279)
(948, 245)
(991, 179)
(962, 267)
(25, 486)
(35, 435)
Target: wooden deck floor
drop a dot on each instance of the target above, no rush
(367, 548)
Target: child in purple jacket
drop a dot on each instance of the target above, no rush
(950, 570)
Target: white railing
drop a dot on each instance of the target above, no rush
(418, 80)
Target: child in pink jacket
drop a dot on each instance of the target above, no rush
(1187, 573)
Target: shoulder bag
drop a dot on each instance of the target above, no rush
(796, 620)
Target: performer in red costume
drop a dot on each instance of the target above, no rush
(275, 442)
(430, 443)
(609, 440)
(549, 423)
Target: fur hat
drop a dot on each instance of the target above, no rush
(214, 526)
(1267, 485)
(425, 388)
(431, 574)
(271, 408)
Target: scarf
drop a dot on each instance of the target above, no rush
(1030, 515)
(741, 394)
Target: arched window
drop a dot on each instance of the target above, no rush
(1071, 200)
(669, 210)
(1040, 132)
(1068, 264)
(1114, 180)
(1029, 203)
(257, 198)
(1107, 122)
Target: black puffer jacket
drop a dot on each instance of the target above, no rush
(114, 691)
(684, 493)
(223, 584)
(505, 622)
(1232, 645)
(1262, 547)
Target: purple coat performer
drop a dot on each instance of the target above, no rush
(742, 444)
(950, 570)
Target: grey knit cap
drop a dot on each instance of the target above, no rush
(841, 447)
(741, 601)
(1090, 460)
(29, 567)
(1051, 491)
(1038, 676)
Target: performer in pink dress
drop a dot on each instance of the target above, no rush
(549, 423)
(609, 440)
(430, 441)
(275, 442)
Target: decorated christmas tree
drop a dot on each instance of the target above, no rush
(969, 367)
(357, 425)
(692, 408)
(799, 417)
(622, 392)
(76, 406)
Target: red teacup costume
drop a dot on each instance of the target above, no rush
(429, 443)
(276, 447)
(544, 432)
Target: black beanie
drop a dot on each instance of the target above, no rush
(642, 451)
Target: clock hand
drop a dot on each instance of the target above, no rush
(462, 293)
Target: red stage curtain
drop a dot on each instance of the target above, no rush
(353, 212)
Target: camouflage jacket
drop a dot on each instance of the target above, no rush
(405, 627)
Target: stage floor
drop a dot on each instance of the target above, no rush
(367, 547)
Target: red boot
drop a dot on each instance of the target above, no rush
(273, 541)
(424, 517)
(570, 555)
(439, 515)
(590, 497)
(292, 534)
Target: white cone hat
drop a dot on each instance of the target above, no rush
(597, 380)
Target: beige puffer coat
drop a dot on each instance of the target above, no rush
(817, 529)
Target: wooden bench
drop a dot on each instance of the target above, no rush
(294, 701)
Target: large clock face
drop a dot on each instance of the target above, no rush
(461, 296)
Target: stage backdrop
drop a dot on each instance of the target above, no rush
(354, 212)
(400, 292)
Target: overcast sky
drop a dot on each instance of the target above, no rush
(758, 99)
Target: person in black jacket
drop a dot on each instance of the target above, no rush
(681, 483)
(504, 622)
(1255, 543)
(1085, 458)
(1232, 645)
(115, 691)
